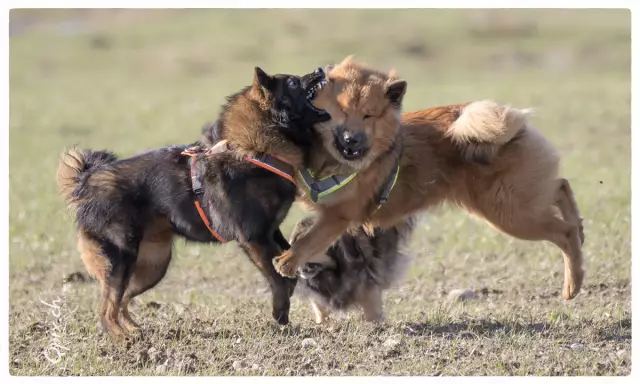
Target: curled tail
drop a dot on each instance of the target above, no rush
(73, 164)
(483, 127)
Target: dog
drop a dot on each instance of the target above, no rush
(481, 156)
(358, 267)
(128, 211)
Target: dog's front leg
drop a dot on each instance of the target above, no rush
(319, 238)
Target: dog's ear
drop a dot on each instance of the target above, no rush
(393, 74)
(347, 60)
(395, 90)
(261, 79)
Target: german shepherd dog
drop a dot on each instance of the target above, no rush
(359, 266)
(128, 211)
(481, 156)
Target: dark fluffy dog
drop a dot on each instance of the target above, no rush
(363, 264)
(128, 211)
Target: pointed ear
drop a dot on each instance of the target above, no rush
(347, 60)
(395, 91)
(261, 79)
(393, 74)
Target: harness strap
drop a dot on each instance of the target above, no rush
(273, 164)
(391, 182)
(196, 185)
(269, 162)
(203, 216)
(323, 187)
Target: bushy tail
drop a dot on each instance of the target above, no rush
(72, 165)
(484, 126)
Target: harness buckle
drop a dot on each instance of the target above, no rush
(196, 184)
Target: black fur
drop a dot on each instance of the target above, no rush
(117, 201)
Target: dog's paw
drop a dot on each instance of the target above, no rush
(571, 288)
(285, 265)
(281, 315)
(376, 319)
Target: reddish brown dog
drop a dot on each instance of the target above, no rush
(481, 156)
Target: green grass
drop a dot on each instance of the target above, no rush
(134, 80)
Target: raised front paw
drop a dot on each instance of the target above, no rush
(285, 265)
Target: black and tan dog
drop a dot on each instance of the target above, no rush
(358, 267)
(128, 211)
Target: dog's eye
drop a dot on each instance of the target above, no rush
(292, 83)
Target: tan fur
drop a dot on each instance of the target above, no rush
(154, 255)
(484, 126)
(153, 259)
(360, 92)
(69, 169)
(320, 312)
(103, 179)
(98, 266)
(518, 191)
(243, 131)
(300, 229)
(95, 262)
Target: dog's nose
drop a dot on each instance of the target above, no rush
(319, 70)
(352, 140)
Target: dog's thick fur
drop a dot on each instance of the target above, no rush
(364, 265)
(481, 156)
(128, 211)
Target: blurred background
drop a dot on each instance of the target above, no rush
(130, 80)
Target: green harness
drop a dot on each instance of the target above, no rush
(320, 188)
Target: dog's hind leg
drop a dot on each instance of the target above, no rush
(154, 256)
(262, 253)
(123, 263)
(567, 237)
(99, 266)
(566, 202)
(547, 226)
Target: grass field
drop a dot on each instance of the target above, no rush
(133, 80)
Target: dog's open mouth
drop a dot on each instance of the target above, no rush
(315, 87)
(314, 82)
(349, 153)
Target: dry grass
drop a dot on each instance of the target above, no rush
(133, 80)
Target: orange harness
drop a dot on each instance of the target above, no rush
(269, 162)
